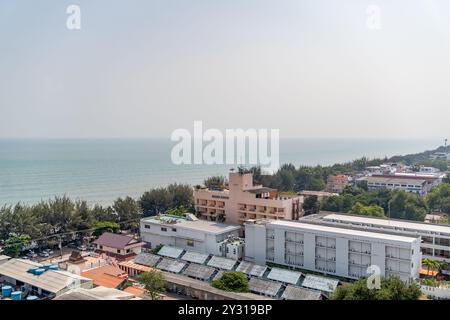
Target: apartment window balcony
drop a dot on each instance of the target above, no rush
(359, 264)
(318, 244)
(356, 275)
(392, 257)
(359, 251)
(326, 269)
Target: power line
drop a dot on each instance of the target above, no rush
(79, 231)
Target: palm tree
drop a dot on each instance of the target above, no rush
(430, 264)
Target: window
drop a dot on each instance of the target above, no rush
(190, 243)
(128, 250)
(101, 247)
(174, 229)
(146, 226)
(118, 250)
(163, 229)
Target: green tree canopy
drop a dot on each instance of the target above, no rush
(232, 281)
(215, 182)
(128, 212)
(372, 211)
(392, 288)
(15, 244)
(153, 282)
(159, 200)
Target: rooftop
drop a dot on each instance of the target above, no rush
(106, 276)
(320, 283)
(97, 293)
(341, 231)
(395, 179)
(261, 190)
(297, 293)
(115, 240)
(52, 280)
(203, 225)
(388, 223)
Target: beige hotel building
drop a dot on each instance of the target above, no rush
(243, 200)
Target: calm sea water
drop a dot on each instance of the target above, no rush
(101, 170)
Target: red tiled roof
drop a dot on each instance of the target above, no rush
(106, 276)
(137, 292)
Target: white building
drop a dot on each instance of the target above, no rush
(232, 248)
(435, 237)
(414, 183)
(42, 282)
(337, 251)
(188, 233)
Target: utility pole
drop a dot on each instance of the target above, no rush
(389, 209)
(60, 247)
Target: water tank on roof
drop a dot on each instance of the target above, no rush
(39, 271)
(32, 298)
(53, 267)
(6, 291)
(33, 270)
(47, 266)
(16, 295)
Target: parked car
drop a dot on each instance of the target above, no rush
(32, 255)
(82, 248)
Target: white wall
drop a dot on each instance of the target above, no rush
(256, 238)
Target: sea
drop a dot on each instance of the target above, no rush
(101, 170)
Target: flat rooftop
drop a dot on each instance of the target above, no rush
(395, 180)
(388, 223)
(198, 225)
(340, 231)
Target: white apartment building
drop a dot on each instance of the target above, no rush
(419, 184)
(331, 250)
(244, 200)
(188, 233)
(435, 238)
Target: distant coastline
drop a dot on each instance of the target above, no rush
(100, 170)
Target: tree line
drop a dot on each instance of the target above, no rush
(62, 215)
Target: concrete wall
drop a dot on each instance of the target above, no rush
(256, 251)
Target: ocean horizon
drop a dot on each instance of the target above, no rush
(101, 170)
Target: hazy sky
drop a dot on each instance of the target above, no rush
(142, 68)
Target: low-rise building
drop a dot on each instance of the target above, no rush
(107, 276)
(98, 293)
(118, 245)
(243, 200)
(435, 238)
(332, 250)
(419, 184)
(337, 183)
(321, 195)
(187, 232)
(33, 278)
(440, 156)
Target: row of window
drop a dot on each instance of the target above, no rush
(164, 229)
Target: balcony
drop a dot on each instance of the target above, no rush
(389, 256)
(353, 250)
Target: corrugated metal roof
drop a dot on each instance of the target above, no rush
(52, 280)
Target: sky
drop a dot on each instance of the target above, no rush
(143, 68)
